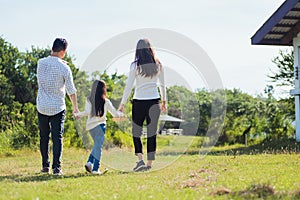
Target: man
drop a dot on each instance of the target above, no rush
(54, 79)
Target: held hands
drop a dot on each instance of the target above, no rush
(121, 116)
(75, 113)
(121, 108)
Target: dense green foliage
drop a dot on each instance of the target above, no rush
(248, 118)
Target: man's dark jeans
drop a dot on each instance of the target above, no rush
(55, 125)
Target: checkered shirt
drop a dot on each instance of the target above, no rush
(54, 79)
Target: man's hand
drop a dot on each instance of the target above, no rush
(73, 98)
(75, 111)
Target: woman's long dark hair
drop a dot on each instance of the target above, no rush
(147, 64)
(97, 98)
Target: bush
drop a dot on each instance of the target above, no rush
(25, 131)
(4, 142)
(119, 139)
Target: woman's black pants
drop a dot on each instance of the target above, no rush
(142, 110)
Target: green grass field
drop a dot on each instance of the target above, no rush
(174, 176)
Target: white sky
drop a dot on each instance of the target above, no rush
(223, 28)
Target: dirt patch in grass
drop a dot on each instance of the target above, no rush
(222, 191)
(254, 191)
(259, 191)
(197, 178)
(296, 193)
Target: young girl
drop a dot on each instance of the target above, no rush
(96, 108)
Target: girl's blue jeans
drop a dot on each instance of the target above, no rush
(98, 135)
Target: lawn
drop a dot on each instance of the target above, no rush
(174, 176)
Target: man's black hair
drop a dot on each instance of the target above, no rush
(59, 44)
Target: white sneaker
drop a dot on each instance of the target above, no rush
(97, 173)
(88, 167)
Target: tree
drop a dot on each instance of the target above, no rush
(183, 103)
(9, 56)
(279, 123)
(242, 117)
(25, 81)
(283, 77)
(284, 74)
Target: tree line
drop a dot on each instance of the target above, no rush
(248, 118)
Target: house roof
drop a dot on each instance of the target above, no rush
(281, 27)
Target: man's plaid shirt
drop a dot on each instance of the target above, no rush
(54, 79)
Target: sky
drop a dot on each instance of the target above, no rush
(223, 28)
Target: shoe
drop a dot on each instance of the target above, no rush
(88, 167)
(147, 168)
(45, 170)
(139, 164)
(97, 173)
(57, 172)
(143, 168)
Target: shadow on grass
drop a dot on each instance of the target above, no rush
(47, 177)
(39, 177)
(281, 146)
(177, 153)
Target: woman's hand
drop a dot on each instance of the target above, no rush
(163, 106)
(121, 108)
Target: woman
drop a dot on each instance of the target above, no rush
(147, 71)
